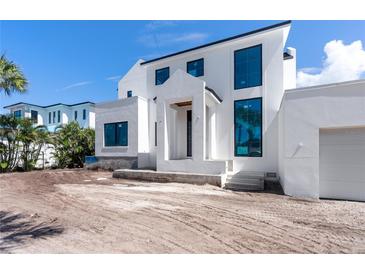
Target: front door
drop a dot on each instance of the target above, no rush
(189, 134)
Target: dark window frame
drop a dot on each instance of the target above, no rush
(34, 119)
(18, 116)
(54, 117)
(58, 116)
(84, 114)
(129, 93)
(50, 117)
(75, 115)
(193, 61)
(156, 72)
(234, 67)
(116, 134)
(234, 125)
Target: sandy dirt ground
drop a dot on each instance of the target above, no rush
(90, 212)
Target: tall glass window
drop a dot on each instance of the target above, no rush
(59, 116)
(84, 114)
(248, 67)
(18, 114)
(116, 134)
(49, 117)
(248, 127)
(161, 75)
(34, 116)
(129, 93)
(75, 115)
(196, 67)
(54, 117)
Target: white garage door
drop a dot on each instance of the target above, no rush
(342, 163)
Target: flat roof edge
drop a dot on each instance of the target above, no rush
(53, 105)
(344, 83)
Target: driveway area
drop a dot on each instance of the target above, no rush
(78, 211)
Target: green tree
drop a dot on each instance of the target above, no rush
(72, 144)
(12, 78)
(21, 143)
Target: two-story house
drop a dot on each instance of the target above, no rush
(56, 114)
(207, 109)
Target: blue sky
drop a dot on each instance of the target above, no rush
(73, 61)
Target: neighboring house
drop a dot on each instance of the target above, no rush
(53, 116)
(56, 114)
(221, 108)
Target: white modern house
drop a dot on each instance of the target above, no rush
(222, 109)
(56, 114)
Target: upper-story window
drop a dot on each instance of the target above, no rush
(49, 117)
(59, 116)
(34, 116)
(248, 67)
(18, 114)
(196, 67)
(84, 114)
(129, 93)
(75, 115)
(161, 75)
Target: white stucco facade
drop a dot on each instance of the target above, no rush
(306, 114)
(187, 123)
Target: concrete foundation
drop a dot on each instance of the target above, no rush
(113, 163)
(165, 177)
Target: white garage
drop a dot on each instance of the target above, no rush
(322, 141)
(342, 163)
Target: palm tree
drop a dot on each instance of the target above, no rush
(12, 78)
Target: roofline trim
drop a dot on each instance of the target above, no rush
(53, 105)
(214, 94)
(219, 41)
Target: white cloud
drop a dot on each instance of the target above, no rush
(165, 39)
(113, 78)
(79, 84)
(342, 63)
(160, 24)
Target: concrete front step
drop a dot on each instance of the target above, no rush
(164, 177)
(244, 187)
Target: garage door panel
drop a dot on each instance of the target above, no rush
(340, 190)
(342, 163)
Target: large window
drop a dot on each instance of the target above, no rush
(34, 116)
(84, 114)
(161, 75)
(116, 134)
(129, 93)
(54, 117)
(196, 67)
(18, 114)
(248, 127)
(58, 116)
(49, 117)
(248, 67)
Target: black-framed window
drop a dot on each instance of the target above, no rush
(129, 93)
(116, 134)
(195, 68)
(161, 75)
(248, 67)
(84, 114)
(49, 117)
(34, 116)
(54, 117)
(58, 116)
(75, 115)
(18, 114)
(248, 127)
